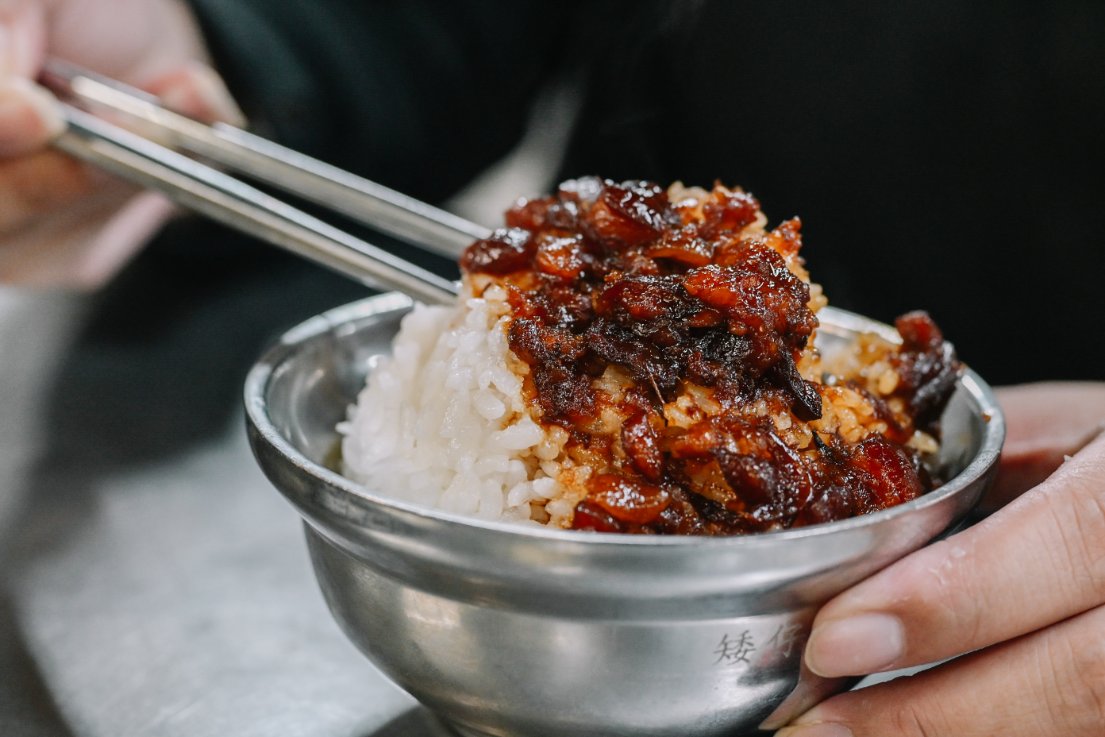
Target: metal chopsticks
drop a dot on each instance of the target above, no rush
(151, 162)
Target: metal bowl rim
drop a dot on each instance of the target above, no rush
(257, 382)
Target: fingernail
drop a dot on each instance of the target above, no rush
(856, 646)
(820, 729)
(29, 117)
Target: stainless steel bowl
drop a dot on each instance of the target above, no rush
(509, 630)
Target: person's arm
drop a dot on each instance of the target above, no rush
(1019, 597)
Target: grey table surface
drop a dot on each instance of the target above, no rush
(154, 585)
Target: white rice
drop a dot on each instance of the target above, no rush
(442, 422)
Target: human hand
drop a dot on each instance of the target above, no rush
(1023, 592)
(62, 222)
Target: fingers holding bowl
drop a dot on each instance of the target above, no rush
(1050, 682)
(1038, 561)
(1024, 592)
(1045, 423)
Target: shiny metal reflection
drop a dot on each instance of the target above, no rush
(508, 630)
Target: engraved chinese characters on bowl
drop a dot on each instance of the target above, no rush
(530, 632)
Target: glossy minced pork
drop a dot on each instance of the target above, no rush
(456, 419)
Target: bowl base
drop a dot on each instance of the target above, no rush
(463, 731)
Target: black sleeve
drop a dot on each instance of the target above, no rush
(416, 94)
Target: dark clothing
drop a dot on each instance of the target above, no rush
(418, 94)
(942, 155)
